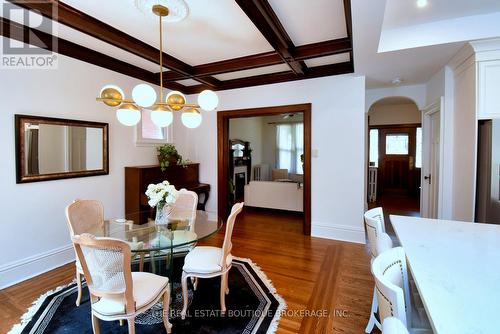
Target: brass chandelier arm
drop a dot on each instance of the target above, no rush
(186, 105)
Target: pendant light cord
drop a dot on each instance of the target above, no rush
(161, 59)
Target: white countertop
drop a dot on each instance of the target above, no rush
(456, 266)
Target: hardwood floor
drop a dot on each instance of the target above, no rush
(397, 205)
(329, 279)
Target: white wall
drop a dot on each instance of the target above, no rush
(338, 107)
(34, 235)
(465, 140)
(414, 92)
(394, 114)
(441, 85)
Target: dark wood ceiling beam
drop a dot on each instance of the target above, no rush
(91, 26)
(45, 41)
(266, 20)
(312, 72)
(308, 51)
(322, 49)
(348, 22)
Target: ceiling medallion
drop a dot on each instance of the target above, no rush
(144, 96)
(178, 9)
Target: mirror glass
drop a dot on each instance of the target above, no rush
(60, 149)
(53, 148)
(238, 150)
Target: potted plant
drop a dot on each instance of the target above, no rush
(168, 156)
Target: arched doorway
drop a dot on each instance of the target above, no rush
(395, 155)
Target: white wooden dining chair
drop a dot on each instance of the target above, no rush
(116, 293)
(392, 325)
(185, 207)
(378, 241)
(83, 216)
(206, 262)
(391, 282)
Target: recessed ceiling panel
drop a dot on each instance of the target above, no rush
(77, 37)
(213, 30)
(340, 58)
(406, 25)
(253, 72)
(407, 13)
(188, 82)
(311, 21)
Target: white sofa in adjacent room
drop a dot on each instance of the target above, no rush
(274, 195)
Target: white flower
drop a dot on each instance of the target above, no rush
(161, 192)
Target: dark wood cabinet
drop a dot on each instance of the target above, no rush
(138, 178)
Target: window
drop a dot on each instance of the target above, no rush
(148, 134)
(418, 150)
(374, 147)
(396, 144)
(290, 147)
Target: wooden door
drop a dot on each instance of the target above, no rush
(397, 160)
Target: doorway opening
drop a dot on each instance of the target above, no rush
(395, 156)
(264, 159)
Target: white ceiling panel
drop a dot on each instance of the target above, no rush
(188, 82)
(95, 44)
(406, 13)
(213, 30)
(327, 60)
(415, 66)
(253, 72)
(311, 21)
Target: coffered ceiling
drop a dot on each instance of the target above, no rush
(222, 44)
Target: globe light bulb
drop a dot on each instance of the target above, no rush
(208, 100)
(422, 3)
(128, 114)
(161, 116)
(175, 100)
(144, 95)
(191, 118)
(113, 93)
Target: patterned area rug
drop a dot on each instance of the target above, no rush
(253, 306)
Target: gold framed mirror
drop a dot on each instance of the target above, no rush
(56, 148)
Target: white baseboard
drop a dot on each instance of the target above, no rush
(338, 232)
(21, 270)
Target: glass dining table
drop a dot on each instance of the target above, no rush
(154, 246)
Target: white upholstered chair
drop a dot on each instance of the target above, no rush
(391, 282)
(206, 262)
(393, 325)
(83, 216)
(116, 293)
(378, 241)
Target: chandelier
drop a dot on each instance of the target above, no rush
(144, 96)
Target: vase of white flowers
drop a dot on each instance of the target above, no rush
(162, 196)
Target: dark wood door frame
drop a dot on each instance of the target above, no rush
(223, 118)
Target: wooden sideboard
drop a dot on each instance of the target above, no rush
(137, 179)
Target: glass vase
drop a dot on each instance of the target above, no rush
(162, 213)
